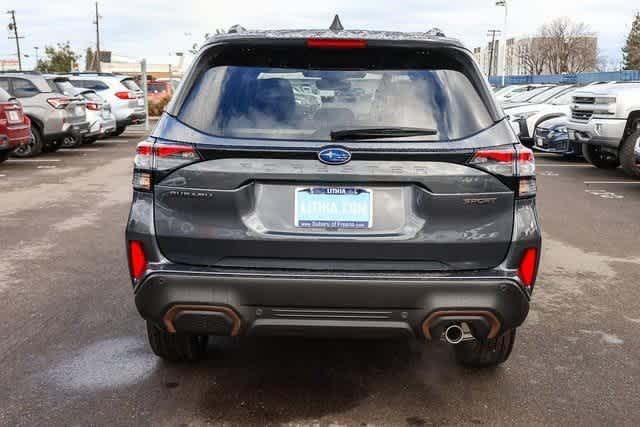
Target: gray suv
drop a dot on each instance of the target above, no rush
(408, 210)
(53, 116)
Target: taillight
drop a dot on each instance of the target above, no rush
(528, 267)
(336, 43)
(126, 95)
(510, 162)
(93, 106)
(160, 157)
(137, 259)
(59, 103)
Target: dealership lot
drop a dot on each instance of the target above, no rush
(74, 349)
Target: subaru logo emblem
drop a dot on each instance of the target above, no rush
(334, 156)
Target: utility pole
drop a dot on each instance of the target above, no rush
(492, 33)
(503, 3)
(36, 49)
(97, 24)
(14, 27)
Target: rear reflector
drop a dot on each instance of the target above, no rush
(336, 43)
(137, 259)
(528, 267)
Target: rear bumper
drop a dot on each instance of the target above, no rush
(134, 118)
(356, 305)
(14, 137)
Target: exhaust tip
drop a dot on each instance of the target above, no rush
(454, 334)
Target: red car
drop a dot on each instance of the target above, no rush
(15, 127)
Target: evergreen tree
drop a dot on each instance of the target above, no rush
(631, 51)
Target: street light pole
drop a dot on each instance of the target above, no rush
(36, 49)
(503, 3)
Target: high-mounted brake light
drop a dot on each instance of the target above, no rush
(59, 103)
(137, 259)
(126, 95)
(336, 43)
(509, 162)
(528, 267)
(160, 157)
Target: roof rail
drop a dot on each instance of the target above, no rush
(89, 73)
(32, 72)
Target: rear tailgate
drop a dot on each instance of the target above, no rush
(261, 197)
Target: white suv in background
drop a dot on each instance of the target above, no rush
(122, 92)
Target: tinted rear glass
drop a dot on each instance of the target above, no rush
(307, 104)
(130, 84)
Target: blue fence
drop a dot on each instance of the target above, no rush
(580, 78)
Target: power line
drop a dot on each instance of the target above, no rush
(13, 26)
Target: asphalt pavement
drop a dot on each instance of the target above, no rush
(73, 349)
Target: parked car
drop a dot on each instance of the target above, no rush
(606, 121)
(122, 93)
(552, 136)
(525, 118)
(525, 97)
(15, 126)
(53, 116)
(249, 218)
(507, 92)
(102, 123)
(158, 90)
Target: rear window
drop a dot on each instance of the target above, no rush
(307, 104)
(130, 84)
(157, 87)
(4, 95)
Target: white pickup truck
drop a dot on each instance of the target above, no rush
(605, 119)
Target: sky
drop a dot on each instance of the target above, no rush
(153, 28)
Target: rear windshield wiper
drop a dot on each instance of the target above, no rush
(379, 132)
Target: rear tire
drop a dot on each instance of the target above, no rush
(628, 155)
(176, 347)
(52, 146)
(119, 131)
(4, 155)
(72, 141)
(485, 353)
(31, 148)
(598, 158)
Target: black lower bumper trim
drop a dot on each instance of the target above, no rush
(328, 306)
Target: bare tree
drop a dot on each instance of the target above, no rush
(570, 46)
(531, 55)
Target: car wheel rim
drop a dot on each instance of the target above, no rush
(69, 141)
(26, 149)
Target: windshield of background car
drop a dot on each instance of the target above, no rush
(548, 94)
(528, 95)
(564, 99)
(304, 104)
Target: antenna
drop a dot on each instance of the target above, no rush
(336, 25)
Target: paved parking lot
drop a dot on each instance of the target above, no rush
(74, 352)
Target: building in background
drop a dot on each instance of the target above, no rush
(539, 55)
(158, 67)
